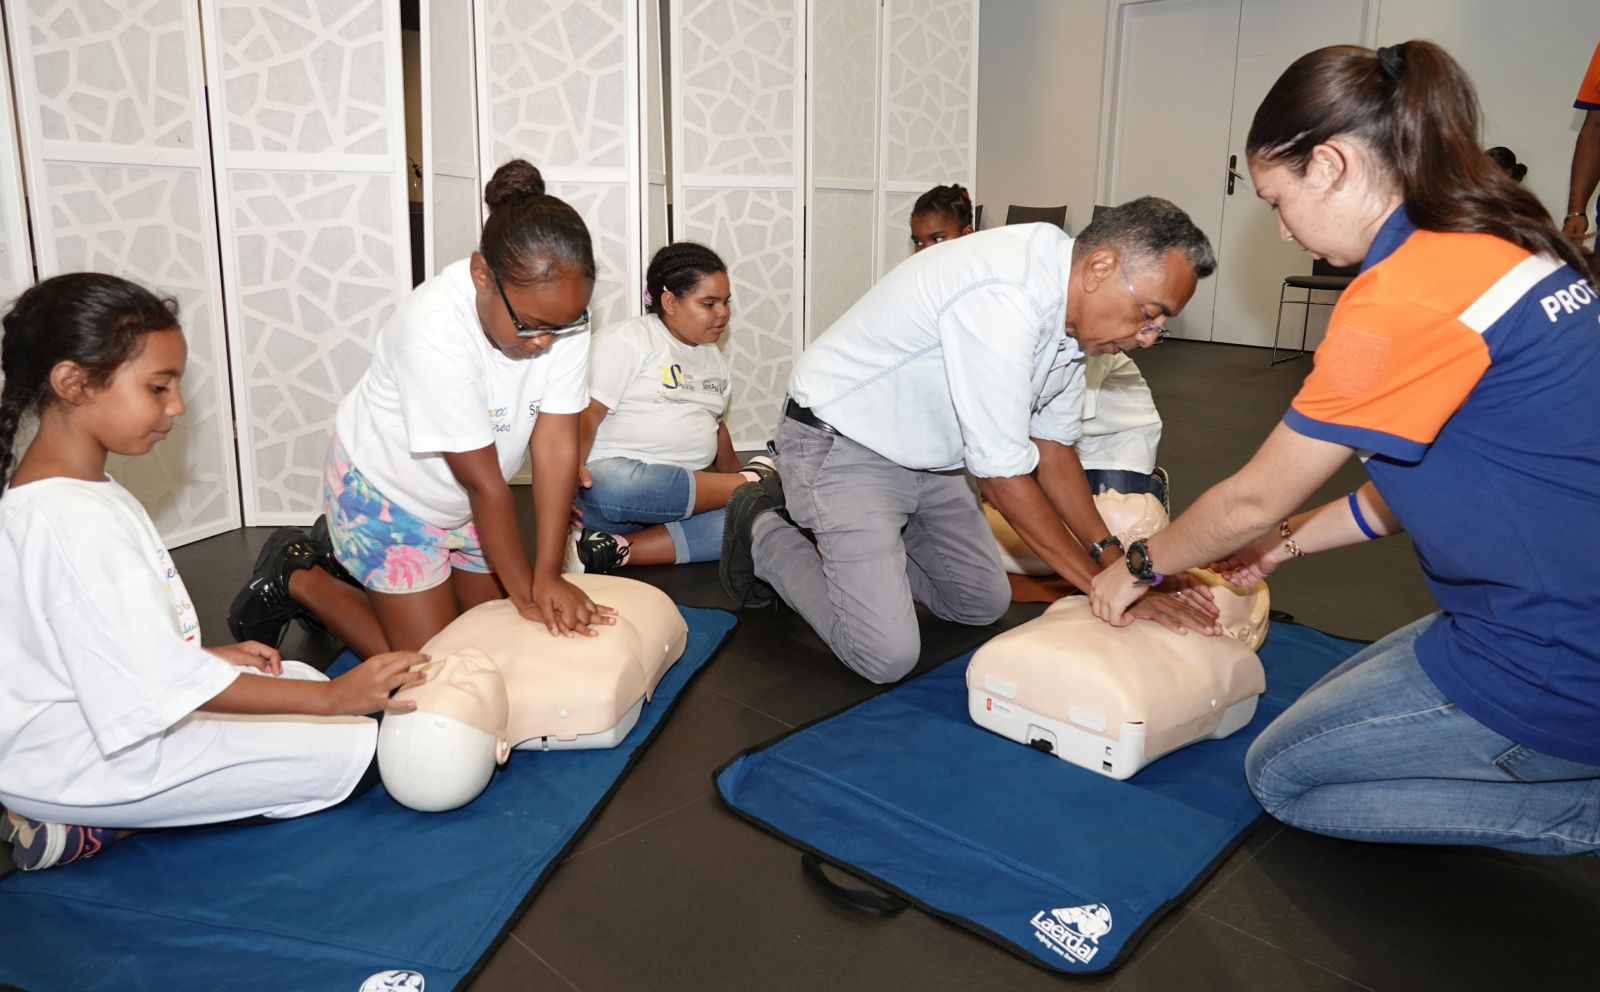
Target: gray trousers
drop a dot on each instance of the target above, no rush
(885, 534)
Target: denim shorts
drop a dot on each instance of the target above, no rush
(387, 548)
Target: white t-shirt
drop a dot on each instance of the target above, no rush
(666, 398)
(1121, 428)
(103, 672)
(437, 384)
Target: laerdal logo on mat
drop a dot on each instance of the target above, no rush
(1073, 931)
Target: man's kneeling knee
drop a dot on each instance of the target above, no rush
(885, 666)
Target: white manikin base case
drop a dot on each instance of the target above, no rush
(1114, 699)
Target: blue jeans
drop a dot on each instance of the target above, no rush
(1375, 752)
(630, 495)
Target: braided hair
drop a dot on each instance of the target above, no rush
(678, 269)
(952, 201)
(532, 237)
(94, 320)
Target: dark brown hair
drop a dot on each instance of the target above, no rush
(1417, 112)
(95, 320)
(677, 269)
(952, 201)
(531, 237)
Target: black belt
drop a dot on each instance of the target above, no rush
(801, 414)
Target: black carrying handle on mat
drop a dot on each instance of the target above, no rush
(860, 900)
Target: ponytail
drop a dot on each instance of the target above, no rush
(1415, 109)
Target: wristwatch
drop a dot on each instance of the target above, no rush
(1139, 564)
(1099, 547)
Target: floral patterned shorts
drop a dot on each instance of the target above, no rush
(380, 543)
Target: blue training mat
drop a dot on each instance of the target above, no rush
(325, 901)
(1062, 866)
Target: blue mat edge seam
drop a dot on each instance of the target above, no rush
(538, 883)
(1133, 941)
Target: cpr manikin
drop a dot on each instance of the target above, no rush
(498, 682)
(1113, 699)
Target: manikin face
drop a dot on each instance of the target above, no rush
(466, 686)
(1112, 308)
(933, 227)
(135, 409)
(558, 303)
(699, 316)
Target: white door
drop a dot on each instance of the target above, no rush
(1173, 112)
(1252, 259)
(1177, 141)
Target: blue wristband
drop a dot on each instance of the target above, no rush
(1355, 511)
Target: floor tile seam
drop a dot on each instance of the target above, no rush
(636, 827)
(1277, 947)
(541, 959)
(1215, 883)
(754, 709)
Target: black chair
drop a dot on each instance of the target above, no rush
(977, 217)
(1324, 278)
(1037, 215)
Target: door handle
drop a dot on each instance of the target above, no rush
(1233, 172)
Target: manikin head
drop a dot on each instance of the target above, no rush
(1133, 268)
(442, 754)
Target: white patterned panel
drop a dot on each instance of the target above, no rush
(145, 224)
(929, 94)
(842, 272)
(604, 209)
(454, 213)
(844, 41)
(316, 262)
(307, 76)
(111, 115)
(307, 101)
(559, 82)
(895, 238)
(16, 254)
(737, 79)
(113, 73)
(754, 231)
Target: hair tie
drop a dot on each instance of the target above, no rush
(648, 300)
(1392, 61)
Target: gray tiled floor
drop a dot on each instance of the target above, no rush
(667, 890)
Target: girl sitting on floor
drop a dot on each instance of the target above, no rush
(659, 463)
(112, 716)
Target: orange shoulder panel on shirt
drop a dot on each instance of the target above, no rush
(1589, 89)
(1444, 271)
(1394, 369)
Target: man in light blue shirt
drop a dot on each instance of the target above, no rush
(967, 355)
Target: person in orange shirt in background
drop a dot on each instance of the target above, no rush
(1585, 154)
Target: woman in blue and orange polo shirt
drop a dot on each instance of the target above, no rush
(1463, 365)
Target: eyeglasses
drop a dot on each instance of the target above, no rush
(1149, 326)
(524, 331)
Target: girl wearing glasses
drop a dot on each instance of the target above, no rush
(1461, 366)
(480, 365)
(658, 463)
(1121, 428)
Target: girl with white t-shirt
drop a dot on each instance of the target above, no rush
(659, 465)
(483, 364)
(112, 716)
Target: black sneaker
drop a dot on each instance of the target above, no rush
(263, 608)
(737, 569)
(594, 551)
(762, 465)
(325, 560)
